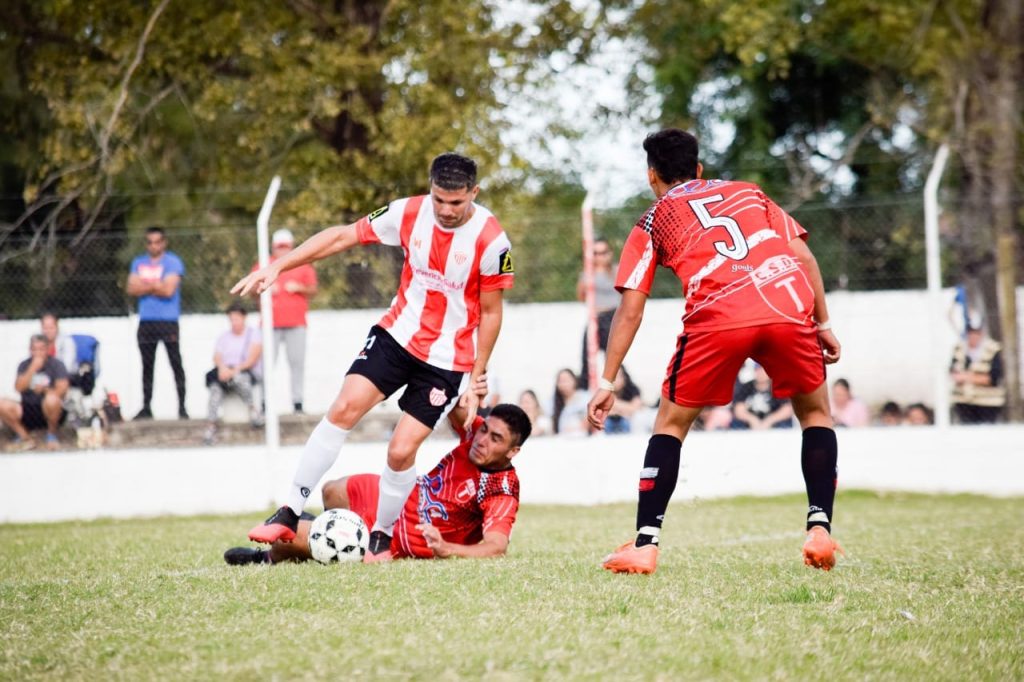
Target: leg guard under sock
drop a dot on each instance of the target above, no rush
(657, 483)
(818, 456)
(395, 487)
(318, 455)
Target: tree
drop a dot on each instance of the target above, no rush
(829, 86)
(124, 113)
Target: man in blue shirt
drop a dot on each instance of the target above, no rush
(155, 279)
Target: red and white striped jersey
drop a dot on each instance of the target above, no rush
(437, 309)
(460, 499)
(728, 244)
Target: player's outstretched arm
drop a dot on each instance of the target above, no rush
(325, 243)
(457, 417)
(493, 545)
(491, 309)
(625, 323)
(829, 343)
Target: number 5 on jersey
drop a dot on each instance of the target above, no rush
(738, 250)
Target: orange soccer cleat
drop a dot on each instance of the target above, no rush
(629, 558)
(820, 549)
(281, 526)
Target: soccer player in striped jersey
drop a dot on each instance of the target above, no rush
(435, 340)
(752, 289)
(463, 507)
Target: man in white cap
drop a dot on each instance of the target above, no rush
(291, 294)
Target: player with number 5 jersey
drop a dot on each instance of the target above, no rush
(752, 289)
(435, 340)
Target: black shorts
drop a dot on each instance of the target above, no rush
(152, 332)
(430, 392)
(32, 417)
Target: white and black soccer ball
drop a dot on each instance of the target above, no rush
(338, 535)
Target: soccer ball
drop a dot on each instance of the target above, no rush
(338, 535)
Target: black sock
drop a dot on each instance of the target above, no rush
(818, 457)
(657, 483)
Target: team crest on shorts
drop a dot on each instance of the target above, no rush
(438, 397)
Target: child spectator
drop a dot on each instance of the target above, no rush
(847, 410)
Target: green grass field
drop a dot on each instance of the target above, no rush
(932, 588)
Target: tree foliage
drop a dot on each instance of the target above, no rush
(118, 113)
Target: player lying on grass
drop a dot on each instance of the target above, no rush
(465, 506)
(752, 288)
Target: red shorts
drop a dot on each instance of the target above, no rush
(704, 367)
(363, 492)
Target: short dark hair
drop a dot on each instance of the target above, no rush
(453, 171)
(38, 338)
(517, 421)
(237, 307)
(156, 229)
(672, 153)
(842, 382)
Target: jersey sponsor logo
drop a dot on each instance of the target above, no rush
(435, 281)
(505, 263)
(378, 213)
(438, 397)
(151, 273)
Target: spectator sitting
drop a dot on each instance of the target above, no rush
(918, 414)
(42, 382)
(891, 414)
(756, 407)
(569, 415)
(540, 423)
(977, 373)
(81, 370)
(627, 403)
(237, 360)
(847, 410)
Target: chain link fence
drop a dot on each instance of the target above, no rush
(860, 247)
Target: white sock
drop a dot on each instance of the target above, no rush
(318, 455)
(395, 487)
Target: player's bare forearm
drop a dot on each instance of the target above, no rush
(493, 545)
(625, 324)
(491, 311)
(807, 259)
(325, 243)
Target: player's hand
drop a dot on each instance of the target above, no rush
(599, 407)
(480, 386)
(830, 347)
(434, 540)
(256, 282)
(470, 402)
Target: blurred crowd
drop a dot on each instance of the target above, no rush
(55, 384)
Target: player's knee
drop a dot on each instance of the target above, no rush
(343, 414)
(335, 494)
(402, 455)
(51, 401)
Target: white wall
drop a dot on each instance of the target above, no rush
(885, 336)
(553, 470)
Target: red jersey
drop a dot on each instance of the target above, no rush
(289, 307)
(728, 244)
(436, 312)
(460, 499)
